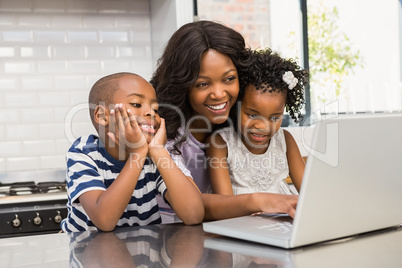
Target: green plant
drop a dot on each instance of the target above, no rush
(331, 57)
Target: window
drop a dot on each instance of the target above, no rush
(354, 47)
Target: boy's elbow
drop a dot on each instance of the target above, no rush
(105, 225)
(193, 217)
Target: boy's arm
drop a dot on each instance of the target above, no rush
(218, 207)
(218, 169)
(105, 208)
(295, 160)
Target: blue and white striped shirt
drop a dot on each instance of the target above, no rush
(90, 167)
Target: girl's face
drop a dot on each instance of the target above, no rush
(260, 118)
(216, 89)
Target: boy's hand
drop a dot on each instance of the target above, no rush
(160, 138)
(127, 134)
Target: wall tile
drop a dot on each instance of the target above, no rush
(52, 67)
(7, 84)
(28, 20)
(84, 66)
(82, 37)
(98, 21)
(12, 5)
(17, 36)
(38, 147)
(140, 36)
(51, 131)
(116, 6)
(37, 83)
(35, 52)
(19, 67)
(114, 36)
(66, 21)
(2, 133)
(79, 97)
(69, 82)
(138, 22)
(68, 52)
(82, 128)
(22, 132)
(60, 113)
(51, 54)
(3, 165)
(9, 116)
(22, 163)
(10, 148)
(62, 147)
(7, 19)
(54, 99)
(48, 6)
(101, 52)
(7, 52)
(82, 6)
(37, 115)
(115, 66)
(53, 162)
(18, 100)
(138, 7)
(50, 36)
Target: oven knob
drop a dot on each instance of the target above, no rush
(37, 220)
(58, 218)
(16, 222)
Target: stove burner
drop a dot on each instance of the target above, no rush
(30, 187)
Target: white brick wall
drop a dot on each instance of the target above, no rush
(51, 53)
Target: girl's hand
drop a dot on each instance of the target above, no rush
(127, 134)
(160, 138)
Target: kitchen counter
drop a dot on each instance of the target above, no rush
(169, 245)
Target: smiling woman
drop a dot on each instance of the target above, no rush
(197, 79)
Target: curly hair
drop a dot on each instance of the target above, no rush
(266, 73)
(178, 67)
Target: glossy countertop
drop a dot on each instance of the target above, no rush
(177, 245)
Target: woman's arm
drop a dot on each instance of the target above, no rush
(295, 160)
(218, 168)
(182, 194)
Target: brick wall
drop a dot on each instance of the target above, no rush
(248, 17)
(51, 53)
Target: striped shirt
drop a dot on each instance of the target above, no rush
(90, 167)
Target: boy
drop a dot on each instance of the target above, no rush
(113, 179)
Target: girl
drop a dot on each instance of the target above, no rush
(197, 84)
(261, 155)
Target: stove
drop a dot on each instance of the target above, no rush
(33, 206)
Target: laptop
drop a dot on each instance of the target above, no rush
(351, 185)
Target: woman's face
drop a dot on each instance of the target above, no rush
(216, 89)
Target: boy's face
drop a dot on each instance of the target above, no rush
(260, 118)
(139, 96)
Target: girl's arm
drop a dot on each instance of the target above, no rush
(218, 169)
(295, 160)
(218, 207)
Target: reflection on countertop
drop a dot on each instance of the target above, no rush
(177, 245)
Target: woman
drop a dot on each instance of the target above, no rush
(197, 84)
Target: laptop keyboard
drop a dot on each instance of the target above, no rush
(282, 227)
